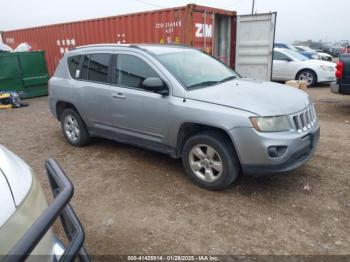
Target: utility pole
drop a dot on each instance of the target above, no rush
(253, 6)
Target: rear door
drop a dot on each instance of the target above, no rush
(254, 45)
(92, 95)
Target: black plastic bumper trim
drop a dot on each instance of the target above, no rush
(295, 161)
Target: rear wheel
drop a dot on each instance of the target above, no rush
(210, 160)
(309, 76)
(73, 128)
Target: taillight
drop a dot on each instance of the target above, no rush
(340, 69)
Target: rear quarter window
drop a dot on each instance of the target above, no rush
(73, 65)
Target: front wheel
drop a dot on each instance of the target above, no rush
(210, 160)
(309, 76)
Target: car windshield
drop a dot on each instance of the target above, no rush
(193, 68)
(308, 49)
(290, 47)
(295, 55)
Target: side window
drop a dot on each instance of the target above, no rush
(131, 71)
(279, 56)
(73, 65)
(99, 67)
(95, 68)
(85, 68)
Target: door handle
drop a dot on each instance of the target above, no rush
(119, 95)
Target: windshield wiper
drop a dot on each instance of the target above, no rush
(227, 79)
(209, 83)
(205, 83)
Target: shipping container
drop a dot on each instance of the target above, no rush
(210, 29)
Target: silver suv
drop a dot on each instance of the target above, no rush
(185, 103)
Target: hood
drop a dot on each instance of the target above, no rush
(317, 62)
(17, 173)
(8, 206)
(308, 54)
(261, 98)
(324, 54)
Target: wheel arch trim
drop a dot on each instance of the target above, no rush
(306, 69)
(200, 127)
(66, 104)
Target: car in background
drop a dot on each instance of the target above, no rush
(335, 51)
(291, 65)
(307, 54)
(322, 55)
(345, 50)
(26, 218)
(342, 86)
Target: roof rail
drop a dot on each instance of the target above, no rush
(138, 46)
(100, 45)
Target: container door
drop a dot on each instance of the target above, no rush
(222, 38)
(254, 45)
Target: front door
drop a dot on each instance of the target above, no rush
(282, 67)
(137, 112)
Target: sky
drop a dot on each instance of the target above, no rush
(327, 20)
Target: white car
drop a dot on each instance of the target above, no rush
(322, 55)
(290, 65)
(26, 218)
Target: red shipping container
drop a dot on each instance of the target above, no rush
(212, 30)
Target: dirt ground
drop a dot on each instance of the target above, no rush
(132, 201)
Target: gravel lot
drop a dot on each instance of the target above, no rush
(133, 201)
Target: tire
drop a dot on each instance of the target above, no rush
(73, 128)
(214, 179)
(309, 76)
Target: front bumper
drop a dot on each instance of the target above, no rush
(326, 76)
(252, 148)
(343, 89)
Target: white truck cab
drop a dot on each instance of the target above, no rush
(26, 217)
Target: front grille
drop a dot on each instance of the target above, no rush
(305, 120)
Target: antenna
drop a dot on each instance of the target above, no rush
(253, 6)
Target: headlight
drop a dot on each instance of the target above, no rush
(327, 68)
(271, 124)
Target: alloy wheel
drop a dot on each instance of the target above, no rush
(71, 128)
(205, 163)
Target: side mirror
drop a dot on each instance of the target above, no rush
(156, 85)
